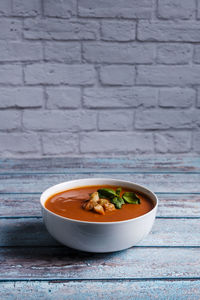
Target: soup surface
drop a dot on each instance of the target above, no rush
(69, 204)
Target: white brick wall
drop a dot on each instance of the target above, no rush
(96, 77)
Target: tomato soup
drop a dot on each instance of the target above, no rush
(69, 204)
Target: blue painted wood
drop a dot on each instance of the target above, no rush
(137, 163)
(170, 251)
(170, 205)
(65, 263)
(30, 183)
(31, 232)
(84, 290)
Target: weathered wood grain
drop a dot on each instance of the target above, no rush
(138, 163)
(30, 183)
(178, 205)
(112, 290)
(20, 205)
(65, 263)
(170, 205)
(171, 250)
(165, 232)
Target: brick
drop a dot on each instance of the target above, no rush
(10, 120)
(198, 10)
(19, 143)
(196, 141)
(197, 54)
(21, 97)
(174, 54)
(20, 51)
(110, 142)
(119, 97)
(63, 97)
(115, 120)
(181, 31)
(5, 7)
(11, 74)
(117, 75)
(118, 53)
(59, 120)
(166, 119)
(59, 8)
(176, 97)
(60, 29)
(10, 29)
(168, 75)
(63, 52)
(118, 30)
(176, 9)
(59, 74)
(26, 8)
(121, 9)
(173, 142)
(60, 143)
(198, 97)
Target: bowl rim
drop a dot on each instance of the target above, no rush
(93, 179)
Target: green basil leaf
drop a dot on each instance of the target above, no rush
(131, 198)
(118, 202)
(121, 200)
(106, 193)
(118, 191)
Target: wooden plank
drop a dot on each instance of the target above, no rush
(65, 263)
(82, 290)
(179, 205)
(30, 183)
(170, 205)
(145, 162)
(31, 232)
(20, 205)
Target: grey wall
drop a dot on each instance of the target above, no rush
(99, 77)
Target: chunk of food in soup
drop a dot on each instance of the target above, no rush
(99, 204)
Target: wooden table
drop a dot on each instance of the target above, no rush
(166, 265)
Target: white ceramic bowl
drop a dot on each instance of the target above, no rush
(96, 236)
